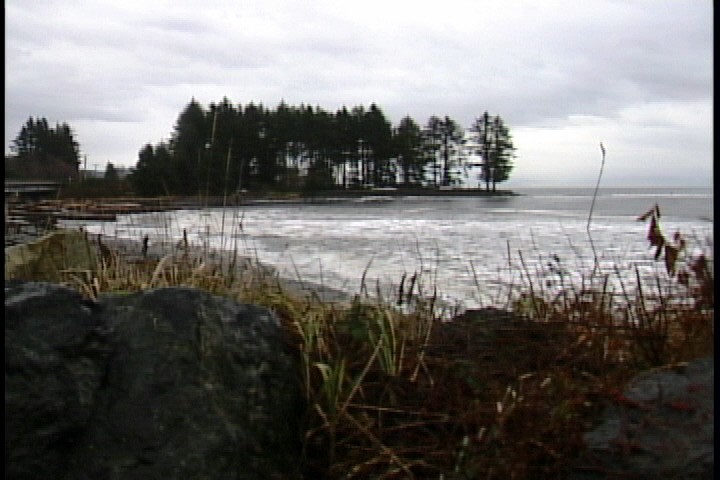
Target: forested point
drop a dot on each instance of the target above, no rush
(42, 152)
(227, 149)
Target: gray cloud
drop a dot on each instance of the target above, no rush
(564, 75)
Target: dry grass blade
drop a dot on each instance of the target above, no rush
(158, 271)
(384, 449)
(592, 205)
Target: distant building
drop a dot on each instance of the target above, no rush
(91, 173)
(121, 171)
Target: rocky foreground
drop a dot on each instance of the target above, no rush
(663, 428)
(178, 383)
(171, 383)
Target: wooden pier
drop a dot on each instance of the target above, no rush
(26, 189)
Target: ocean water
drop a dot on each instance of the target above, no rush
(474, 251)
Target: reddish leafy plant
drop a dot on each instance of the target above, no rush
(693, 272)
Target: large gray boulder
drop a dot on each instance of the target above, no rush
(171, 383)
(46, 256)
(663, 428)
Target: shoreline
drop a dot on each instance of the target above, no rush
(131, 251)
(249, 199)
(21, 213)
(322, 197)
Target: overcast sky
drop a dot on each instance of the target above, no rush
(564, 75)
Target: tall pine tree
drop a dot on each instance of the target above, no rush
(445, 139)
(190, 148)
(44, 152)
(39, 141)
(495, 147)
(408, 147)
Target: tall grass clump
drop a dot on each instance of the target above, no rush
(397, 391)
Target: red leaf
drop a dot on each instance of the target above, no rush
(699, 266)
(671, 255)
(645, 215)
(655, 236)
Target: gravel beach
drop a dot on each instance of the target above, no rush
(132, 251)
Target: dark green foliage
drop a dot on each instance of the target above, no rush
(495, 146)
(408, 145)
(154, 173)
(43, 152)
(226, 149)
(37, 139)
(377, 134)
(445, 139)
(189, 146)
(111, 174)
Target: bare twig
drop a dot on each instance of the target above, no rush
(592, 205)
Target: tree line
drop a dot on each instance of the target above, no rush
(43, 152)
(225, 149)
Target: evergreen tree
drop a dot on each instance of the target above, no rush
(190, 145)
(259, 163)
(63, 146)
(154, 172)
(322, 144)
(111, 174)
(495, 147)
(483, 138)
(445, 139)
(502, 153)
(222, 148)
(220, 165)
(37, 141)
(376, 132)
(431, 142)
(283, 133)
(408, 147)
(358, 161)
(32, 139)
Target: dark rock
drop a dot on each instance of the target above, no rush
(56, 352)
(171, 383)
(663, 428)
